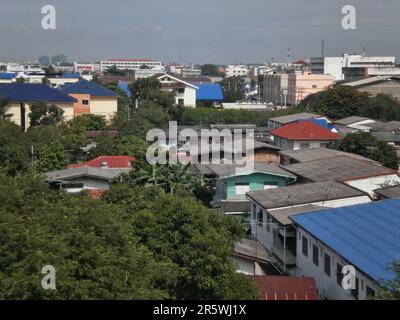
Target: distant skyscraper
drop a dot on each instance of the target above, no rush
(44, 60)
(59, 59)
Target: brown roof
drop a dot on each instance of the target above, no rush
(286, 288)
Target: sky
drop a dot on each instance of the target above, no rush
(197, 31)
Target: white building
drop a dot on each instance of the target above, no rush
(363, 237)
(130, 64)
(81, 68)
(236, 71)
(185, 92)
(272, 208)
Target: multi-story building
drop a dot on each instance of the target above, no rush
(302, 84)
(83, 68)
(130, 64)
(353, 66)
(274, 88)
(236, 71)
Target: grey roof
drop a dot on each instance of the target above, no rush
(299, 194)
(386, 136)
(389, 192)
(235, 206)
(282, 215)
(305, 155)
(350, 120)
(228, 170)
(389, 126)
(294, 117)
(369, 80)
(339, 168)
(251, 249)
(221, 126)
(343, 130)
(73, 173)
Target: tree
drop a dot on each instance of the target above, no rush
(336, 102)
(210, 70)
(184, 232)
(391, 288)
(114, 71)
(368, 146)
(51, 157)
(149, 90)
(90, 243)
(44, 114)
(233, 89)
(89, 122)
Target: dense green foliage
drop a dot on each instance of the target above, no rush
(344, 101)
(391, 288)
(368, 146)
(233, 89)
(44, 114)
(210, 70)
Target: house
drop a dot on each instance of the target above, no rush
(185, 92)
(250, 257)
(286, 288)
(231, 182)
(303, 135)
(363, 236)
(112, 162)
(92, 98)
(288, 157)
(8, 77)
(385, 84)
(363, 175)
(271, 209)
(67, 78)
(209, 94)
(76, 179)
(390, 192)
(356, 124)
(278, 122)
(21, 97)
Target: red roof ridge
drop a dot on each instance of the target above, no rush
(305, 130)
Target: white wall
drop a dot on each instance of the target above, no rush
(327, 285)
(372, 183)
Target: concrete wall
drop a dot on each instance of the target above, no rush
(297, 145)
(104, 106)
(372, 183)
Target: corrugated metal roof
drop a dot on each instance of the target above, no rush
(235, 206)
(7, 75)
(294, 117)
(299, 194)
(251, 249)
(87, 87)
(365, 235)
(72, 173)
(111, 161)
(389, 192)
(209, 92)
(350, 120)
(29, 92)
(339, 168)
(286, 288)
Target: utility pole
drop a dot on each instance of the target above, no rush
(323, 49)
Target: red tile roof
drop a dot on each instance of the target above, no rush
(112, 162)
(286, 288)
(305, 130)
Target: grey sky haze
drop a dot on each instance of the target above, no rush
(218, 31)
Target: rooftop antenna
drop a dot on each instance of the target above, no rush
(364, 51)
(288, 56)
(323, 48)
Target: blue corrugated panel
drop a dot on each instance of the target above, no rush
(71, 75)
(124, 86)
(87, 87)
(366, 235)
(28, 92)
(209, 92)
(7, 75)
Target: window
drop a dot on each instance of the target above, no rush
(270, 185)
(354, 292)
(254, 212)
(370, 292)
(181, 102)
(339, 274)
(242, 188)
(260, 217)
(327, 265)
(315, 255)
(304, 145)
(305, 246)
(323, 145)
(181, 90)
(85, 102)
(314, 86)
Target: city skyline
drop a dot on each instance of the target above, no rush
(224, 32)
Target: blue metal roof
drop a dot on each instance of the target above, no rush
(87, 87)
(29, 92)
(366, 235)
(124, 86)
(209, 92)
(71, 75)
(7, 75)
